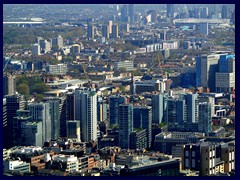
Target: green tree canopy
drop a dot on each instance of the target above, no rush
(23, 89)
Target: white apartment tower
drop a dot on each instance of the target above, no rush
(86, 113)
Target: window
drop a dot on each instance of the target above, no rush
(193, 153)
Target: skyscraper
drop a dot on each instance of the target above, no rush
(105, 31)
(86, 113)
(41, 112)
(224, 12)
(36, 49)
(115, 31)
(9, 84)
(110, 23)
(57, 42)
(206, 68)
(125, 124)
(204, 12)
(225, 78)
(13, 103)
(142, 118)
(205, 118)
(114, 102)
(90, 31)
(131, 12)
(204, 29)
(192, 107)
(170, 10)
(70, 106)
(55, 118)
(124, 13)
(157, 108)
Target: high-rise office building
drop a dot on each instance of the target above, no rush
(206, 68)
(114, 102)
(197, 12)
(57, 42)
(86, 113)
(105, 31)
(204, 12)
(142, 118)
(138, 139)
(203, 29)
(224, 12)
(124, 13)
(157, 108)
(125, 125)
(181, 110)
(55, 118)
(192, 107)
(225, 78)
(70, 106)
(205, 118)
(31, 133)
(127, 27)
(13, 103)
(41, 112)
(131, 12)
(102, 109)
(115, 31)
(170, 10)
(73, 130)
(36, 49)
(9, 84)
(90, 31)
(110, 23)
(4, 120)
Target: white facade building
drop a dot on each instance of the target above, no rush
(86, 113)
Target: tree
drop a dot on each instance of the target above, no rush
(39, 97)
(123, 69)
(40, 88)
(23, 89)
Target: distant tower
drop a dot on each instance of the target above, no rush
(110, 23)
(115, 31)
(131, 12)
(90, 31)
(204, 12)
(57, 42)
(9, 84)
(170, 10)
(36, 49)
(125, 124)
(105, 31)
(224, 12)
(204, 29)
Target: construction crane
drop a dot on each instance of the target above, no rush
(7, 62)
(159, 58)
